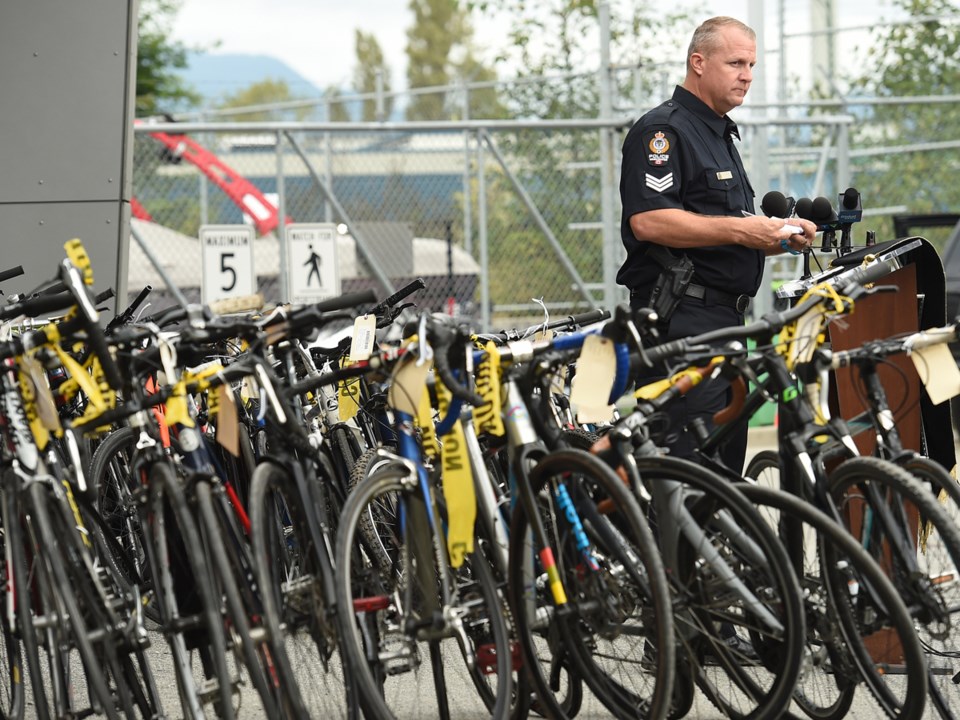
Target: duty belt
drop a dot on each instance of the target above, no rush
(709, 296)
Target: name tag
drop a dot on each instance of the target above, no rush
(724, 175)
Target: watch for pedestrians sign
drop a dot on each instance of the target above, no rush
(227, 260)
(313, 270)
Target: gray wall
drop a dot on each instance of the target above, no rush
(67, 78)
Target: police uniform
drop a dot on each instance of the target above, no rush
(681, 155)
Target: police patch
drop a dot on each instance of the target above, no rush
(659, 146)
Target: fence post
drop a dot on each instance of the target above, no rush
(607, 206)
(281, 222)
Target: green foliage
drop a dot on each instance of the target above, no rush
(914, 59)
(440, 52)
(264, 92)
(371, 65)
(158, 86)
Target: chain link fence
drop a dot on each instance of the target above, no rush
(505, 221)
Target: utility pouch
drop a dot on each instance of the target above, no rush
(672, 283)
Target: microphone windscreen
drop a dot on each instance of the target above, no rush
(774, 204)
(823, 210)
(804, 208)
(851, 197)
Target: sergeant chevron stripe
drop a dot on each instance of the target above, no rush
(659, 184)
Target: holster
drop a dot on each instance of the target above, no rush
(675, 275)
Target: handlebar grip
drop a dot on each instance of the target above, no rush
(399, 295)
(104, 296)
(238, 304)
(589, 318)
(11, 273)
(864, 275)
(665, 350)
(345, 302)
(32, 307)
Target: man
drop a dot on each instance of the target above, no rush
(683, 187)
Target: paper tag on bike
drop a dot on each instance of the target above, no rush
(408, 383)
(46, 407)
(593, 381)
(458, 491)
(348, 395)
(227, 423)
(805, 341)
(938, 372)
(364, 334)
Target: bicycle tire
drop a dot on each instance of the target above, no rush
(173, 532)
(737, 684)
(298, 619)
(369, 599)
(110, 474)
(51, 546)
(26, 629)
(943, 652)
(932, 586)
(242, 610)
(828, 684)
(627, 676)
(843, 563)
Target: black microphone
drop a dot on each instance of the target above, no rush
(826, 220)
(775, 204)
(849, 211)
(849, 207)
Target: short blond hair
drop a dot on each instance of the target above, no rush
(706, 38)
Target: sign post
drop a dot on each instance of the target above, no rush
(227, 261)
(313, 269)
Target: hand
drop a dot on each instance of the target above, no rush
(798, 242)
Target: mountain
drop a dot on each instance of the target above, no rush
(216, 76)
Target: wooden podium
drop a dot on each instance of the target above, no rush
(919, 303)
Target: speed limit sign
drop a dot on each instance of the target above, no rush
(227, 261)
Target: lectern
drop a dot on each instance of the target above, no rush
(919, 302)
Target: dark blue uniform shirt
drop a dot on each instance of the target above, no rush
(681, 155)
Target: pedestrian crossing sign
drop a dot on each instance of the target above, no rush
(313, 270)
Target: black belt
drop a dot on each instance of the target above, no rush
(709, 296)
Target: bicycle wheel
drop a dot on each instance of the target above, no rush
(834, 563)
(943, 644)
(764, 467)
(112, 475)
(188, 604)
(901, 524)
(233, 573)
(68, 594)
(615, 630)
(411, 656)
(299, 619)
(741, 631)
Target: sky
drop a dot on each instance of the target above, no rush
(316, 37)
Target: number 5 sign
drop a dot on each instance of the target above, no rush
(227, 261)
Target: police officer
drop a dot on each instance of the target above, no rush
(683, 187)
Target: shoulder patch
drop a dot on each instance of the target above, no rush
(658, 145)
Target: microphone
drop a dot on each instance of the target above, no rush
(775, 204)
(849, 207)
(826, 220)
(850, 210)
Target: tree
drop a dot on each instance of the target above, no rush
(440, 52)
(911, 59)
(264, 93)
(159, 87)
(371, 66)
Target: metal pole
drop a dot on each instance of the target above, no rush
(281, 223)
(171, 285)
(467, 197)
(609, 239)
(484, 247)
